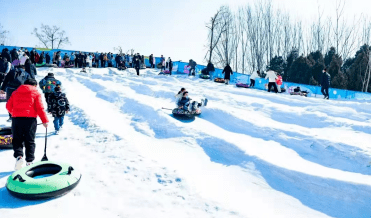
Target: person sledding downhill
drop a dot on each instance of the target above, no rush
(48, 84)
(187, 106)
(58, 106)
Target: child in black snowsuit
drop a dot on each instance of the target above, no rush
(58, 106)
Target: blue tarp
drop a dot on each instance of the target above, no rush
(178, 67)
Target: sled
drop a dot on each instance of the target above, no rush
(6, 138)
(203, 76)
(296, 91)
(185, 114)
(242, 85)
(219, 80)
(186, 69)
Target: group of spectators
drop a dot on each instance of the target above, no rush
(84, 59)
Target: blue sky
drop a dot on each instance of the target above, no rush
(169, 27)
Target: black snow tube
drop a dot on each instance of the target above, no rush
(182, 114)
(6, 138)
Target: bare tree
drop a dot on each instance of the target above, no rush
(225, 48)
(119, 49)
(216, 28)
(3, 35)
(51, 36)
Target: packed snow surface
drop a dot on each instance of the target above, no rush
(250, 153)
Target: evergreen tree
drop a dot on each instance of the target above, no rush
(356, 73)
(277, 64)
(299, 71)
(318, 65)
(335, 66)
(329, 55)
(294, 54)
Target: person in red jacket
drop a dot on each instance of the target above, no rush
(25, 105)
(279, 82)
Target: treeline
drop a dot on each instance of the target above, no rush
(260, 37)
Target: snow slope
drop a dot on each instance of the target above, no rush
(250, 153)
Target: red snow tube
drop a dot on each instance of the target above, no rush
(6, 138)
(219, 80)
(242, 85)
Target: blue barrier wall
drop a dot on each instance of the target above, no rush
(178, 67)
(261, 83)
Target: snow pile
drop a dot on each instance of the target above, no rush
(250, 154)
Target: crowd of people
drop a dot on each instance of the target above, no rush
(83, 59)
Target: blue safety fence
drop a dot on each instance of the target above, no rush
(179, 68)
(262, 84)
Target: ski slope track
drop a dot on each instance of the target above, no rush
(249, 154)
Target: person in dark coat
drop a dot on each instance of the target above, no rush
(47, 58)
(48, 84)
(5, 67)
(15, 78)
(32, 57)
(227, 73)
(6, 54)
(41, 58)
(170, 65)
(193, 65)
(30, 68)
(117, 60)
(27, 53)
(151, 61)
(136, 63)
(58, 58)
(325, 84)
(209, 68)
(14, 54)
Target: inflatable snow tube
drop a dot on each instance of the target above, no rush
(43, 180)
(242, 85)
(6, 138)
(166, 72)
(183, 114)
(186, 69)
(203, 76)
(68, 66)
(301, 93)
(40, 65)
(3, 97)
(49, 65)
(219, 80)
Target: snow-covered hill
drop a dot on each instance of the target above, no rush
(250, 153)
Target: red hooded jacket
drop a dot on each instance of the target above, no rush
(26, 102)
(279, 80)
